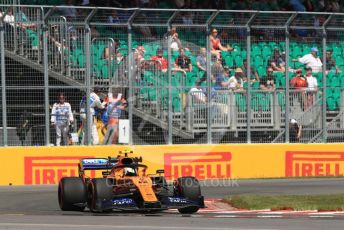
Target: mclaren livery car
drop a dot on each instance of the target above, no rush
(125, 186)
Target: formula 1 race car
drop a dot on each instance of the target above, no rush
(126, 186)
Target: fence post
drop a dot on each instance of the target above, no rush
(287, 103)
(131, 95)
(323, 109)
(89, 116)
(170, 116)
(46, 83)
(248, 98)
(208, 71)
(3, 85)
(46, 74)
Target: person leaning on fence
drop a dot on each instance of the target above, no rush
(295, 131)
(95, 103)
(114, 110)
(61, 118)
(311, 60)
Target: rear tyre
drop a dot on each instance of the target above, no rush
(100, 189)
(189, 188)
(72, 194)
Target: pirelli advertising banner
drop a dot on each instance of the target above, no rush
(46, 165)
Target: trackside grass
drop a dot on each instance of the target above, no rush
(286, 202)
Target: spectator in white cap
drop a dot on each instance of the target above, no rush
(311, 60)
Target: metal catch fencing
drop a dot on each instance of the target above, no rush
(175, 69)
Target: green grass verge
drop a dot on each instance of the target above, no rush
(282, 202)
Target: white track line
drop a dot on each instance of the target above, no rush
(115, 226)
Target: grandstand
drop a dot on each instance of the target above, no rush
(46, 50)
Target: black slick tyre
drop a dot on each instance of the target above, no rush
(72, 194)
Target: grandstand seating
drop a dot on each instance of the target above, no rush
(260, 53)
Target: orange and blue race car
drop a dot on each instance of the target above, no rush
(126, 186)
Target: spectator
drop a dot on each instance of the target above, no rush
(61, 118)
(114, 17)
(183, 62)
(236, 82)
(222, 80)
(198, 92)
(216, 46)
(114, 110)
(299, 85)
(161, 60)
(85, 2)
(201, 60)
(311, 60)
(138, 56)
(216, 67)
(73, 41)
(297, 5)
(267, 83)
(331, 63)
(253, 72)
(69, 9)
(298, 81)
(21, 20)
(175, 43)
(276, 61)
(95, 104)
(312, 87)
(146, 4)
(312, 82)
(187, 18)
(295, 131)
(224, 37)
(94, 32)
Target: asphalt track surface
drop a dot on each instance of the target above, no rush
(36, 207)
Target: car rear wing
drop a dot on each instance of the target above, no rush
(97, 163)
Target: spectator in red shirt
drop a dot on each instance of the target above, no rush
(216, 46)
(163, 62)
(298, 81)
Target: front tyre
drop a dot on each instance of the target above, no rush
(99, 190)
(72, 194)
(189, 188)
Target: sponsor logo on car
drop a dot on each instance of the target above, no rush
(178, 200)
(123, 201)
(314, 164)
(49, 170)
(209, 165)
